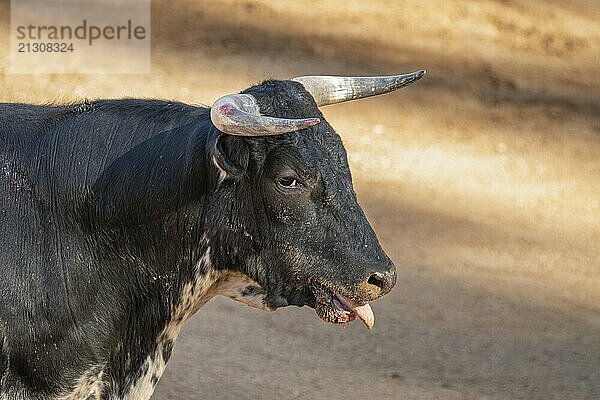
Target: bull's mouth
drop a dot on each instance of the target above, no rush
(334, 308)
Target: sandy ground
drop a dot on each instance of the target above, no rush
(482, 181)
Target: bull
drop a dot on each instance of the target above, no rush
(121, 218)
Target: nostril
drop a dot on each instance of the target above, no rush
(383, 281)
(377, 279)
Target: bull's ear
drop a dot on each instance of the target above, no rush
(229, 155)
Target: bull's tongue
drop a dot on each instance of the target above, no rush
(366, 314)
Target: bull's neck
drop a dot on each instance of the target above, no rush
(205, 283)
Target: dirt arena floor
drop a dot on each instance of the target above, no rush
(482, 181)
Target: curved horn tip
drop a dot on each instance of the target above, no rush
(238, 114)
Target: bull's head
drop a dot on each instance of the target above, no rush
(283, 208)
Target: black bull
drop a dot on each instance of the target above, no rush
(120, 218)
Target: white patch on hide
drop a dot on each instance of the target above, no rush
(89, 386)
(154, 366)
(242, 288)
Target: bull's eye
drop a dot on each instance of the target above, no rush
(288, 182)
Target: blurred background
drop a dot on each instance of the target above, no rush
(482, 181)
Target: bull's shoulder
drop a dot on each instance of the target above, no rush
(67, 147)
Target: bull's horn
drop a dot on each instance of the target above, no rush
(238, 114)
(335, 89)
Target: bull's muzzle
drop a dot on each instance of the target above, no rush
(341, 306)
